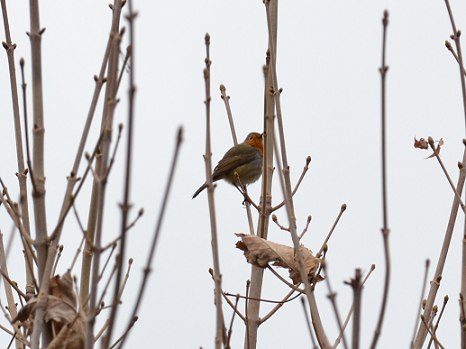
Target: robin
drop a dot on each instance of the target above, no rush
(245, 159)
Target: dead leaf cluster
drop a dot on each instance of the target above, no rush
(61, 310)
(423, 144)
(261, 252)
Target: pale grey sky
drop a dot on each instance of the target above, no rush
(328, 59)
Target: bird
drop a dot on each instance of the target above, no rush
(244, 159)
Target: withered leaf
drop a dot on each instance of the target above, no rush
(61, 310)
(261, 252)
(69, 337)
(421, 144)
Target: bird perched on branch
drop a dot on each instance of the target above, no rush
(245, 159)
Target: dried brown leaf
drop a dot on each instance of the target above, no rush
(421, 144)
(62, 287)
(261, 252)
(69, 337)
(61, 309)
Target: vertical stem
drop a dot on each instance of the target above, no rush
(272, 20)
(257, 274)
(210, 195)
(22, 178)
(357, 289)
(463, 293)
(102, 170)
(35, 36)
(125, 206)
(385, 230)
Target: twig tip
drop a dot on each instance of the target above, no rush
(180, 134)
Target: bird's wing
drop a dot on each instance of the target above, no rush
(235, 157)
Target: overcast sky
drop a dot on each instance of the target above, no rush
(328, 59)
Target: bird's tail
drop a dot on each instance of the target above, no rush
(199, 190)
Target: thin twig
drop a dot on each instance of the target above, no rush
(60, 249)
(431, 143)
(230, 329)
(125, 63)
(342, 209)
(26, 128)
(56, 232)
(12, 305)
(133, 223)
(226, 100)
(308, 322)
(211, 272)
(14, 285)
(248, 283)
(243, 191)
(126, 332)
(279, 305)
(104, 292)
(100, 186)
(450, 48)
(433, 336)
(275, 220)
(385, 230)
(210, 196)
(290, 285)
(332, 296)
(350, 312)
(424, 283)
(305, 169)
(112, 159)
(10, 207)
(306, 227)
(285, 300)
(445, 301)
